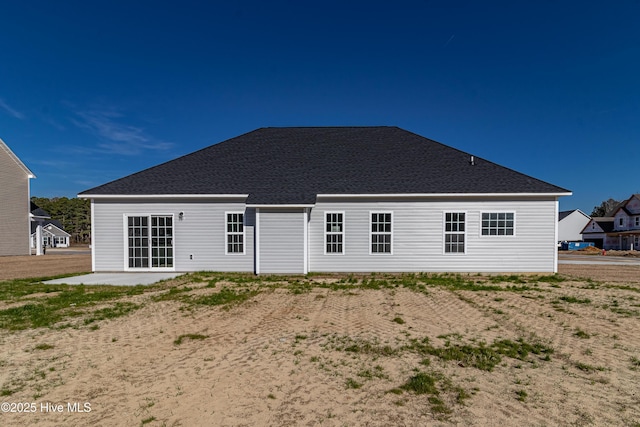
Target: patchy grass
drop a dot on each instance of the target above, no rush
(43, 347)
(581, 334)
(574, 300)
(184, 337)
(351, 383)
(63, 302)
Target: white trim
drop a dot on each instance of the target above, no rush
(390, 233)
(555, 240)
(16, 159)
(226, 234)
(439, 195)
(125, 217)
(445, 232)
(305, 214)
(325, 233)
(162, 196)
(92, 238)
(28, 208)
(492, 236)
(257, 240)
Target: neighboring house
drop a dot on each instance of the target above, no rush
(15, 209)
(571, 224)
(333, 199)
(620, 230)
(597, 231)
(53, 235)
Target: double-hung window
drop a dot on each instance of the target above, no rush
(454, 232)
(381, 232)
(334, 232)
(234, 233)
(498, 224)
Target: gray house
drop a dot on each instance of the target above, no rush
(326, 199)
(15, 211)
(53, 234)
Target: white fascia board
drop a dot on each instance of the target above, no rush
(439, 195)
(281, 206)
(37, 217)
(16, 159)
(162, 196)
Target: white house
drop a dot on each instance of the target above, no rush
(571, 224)
(333, 199)
(53, 235)
(619, 231)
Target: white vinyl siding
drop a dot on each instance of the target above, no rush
(198, 238)
(418, 236)
(281, 240)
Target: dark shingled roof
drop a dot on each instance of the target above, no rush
(38, 211)
(292, 165)
(45, 223)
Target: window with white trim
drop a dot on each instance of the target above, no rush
(150, 241)
(638, 221)
(381, 232)
(235, 233)
(498, 224)
(454, 232)
(334, 233)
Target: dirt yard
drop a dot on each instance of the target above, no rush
(333, 351)
(20, 267)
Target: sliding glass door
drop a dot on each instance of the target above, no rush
(150, 241)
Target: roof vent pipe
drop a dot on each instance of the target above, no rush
(472, 161)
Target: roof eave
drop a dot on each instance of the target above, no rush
(440, 195)
(162, 196)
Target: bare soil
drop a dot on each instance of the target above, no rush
(333, 357)
(21, 267)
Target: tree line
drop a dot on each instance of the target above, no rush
(73, 214)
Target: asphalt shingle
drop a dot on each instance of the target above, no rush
(292, 165)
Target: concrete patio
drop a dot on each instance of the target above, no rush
(118, 279)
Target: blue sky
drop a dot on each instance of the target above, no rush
(93, 91)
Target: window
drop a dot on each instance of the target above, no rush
(638, 221)
(235, 233)
(454, 231)
(381, 232)
(150, 241)
(138, 241)
(161, 241)
(497, 224)
(334, 233)
(621, 221)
